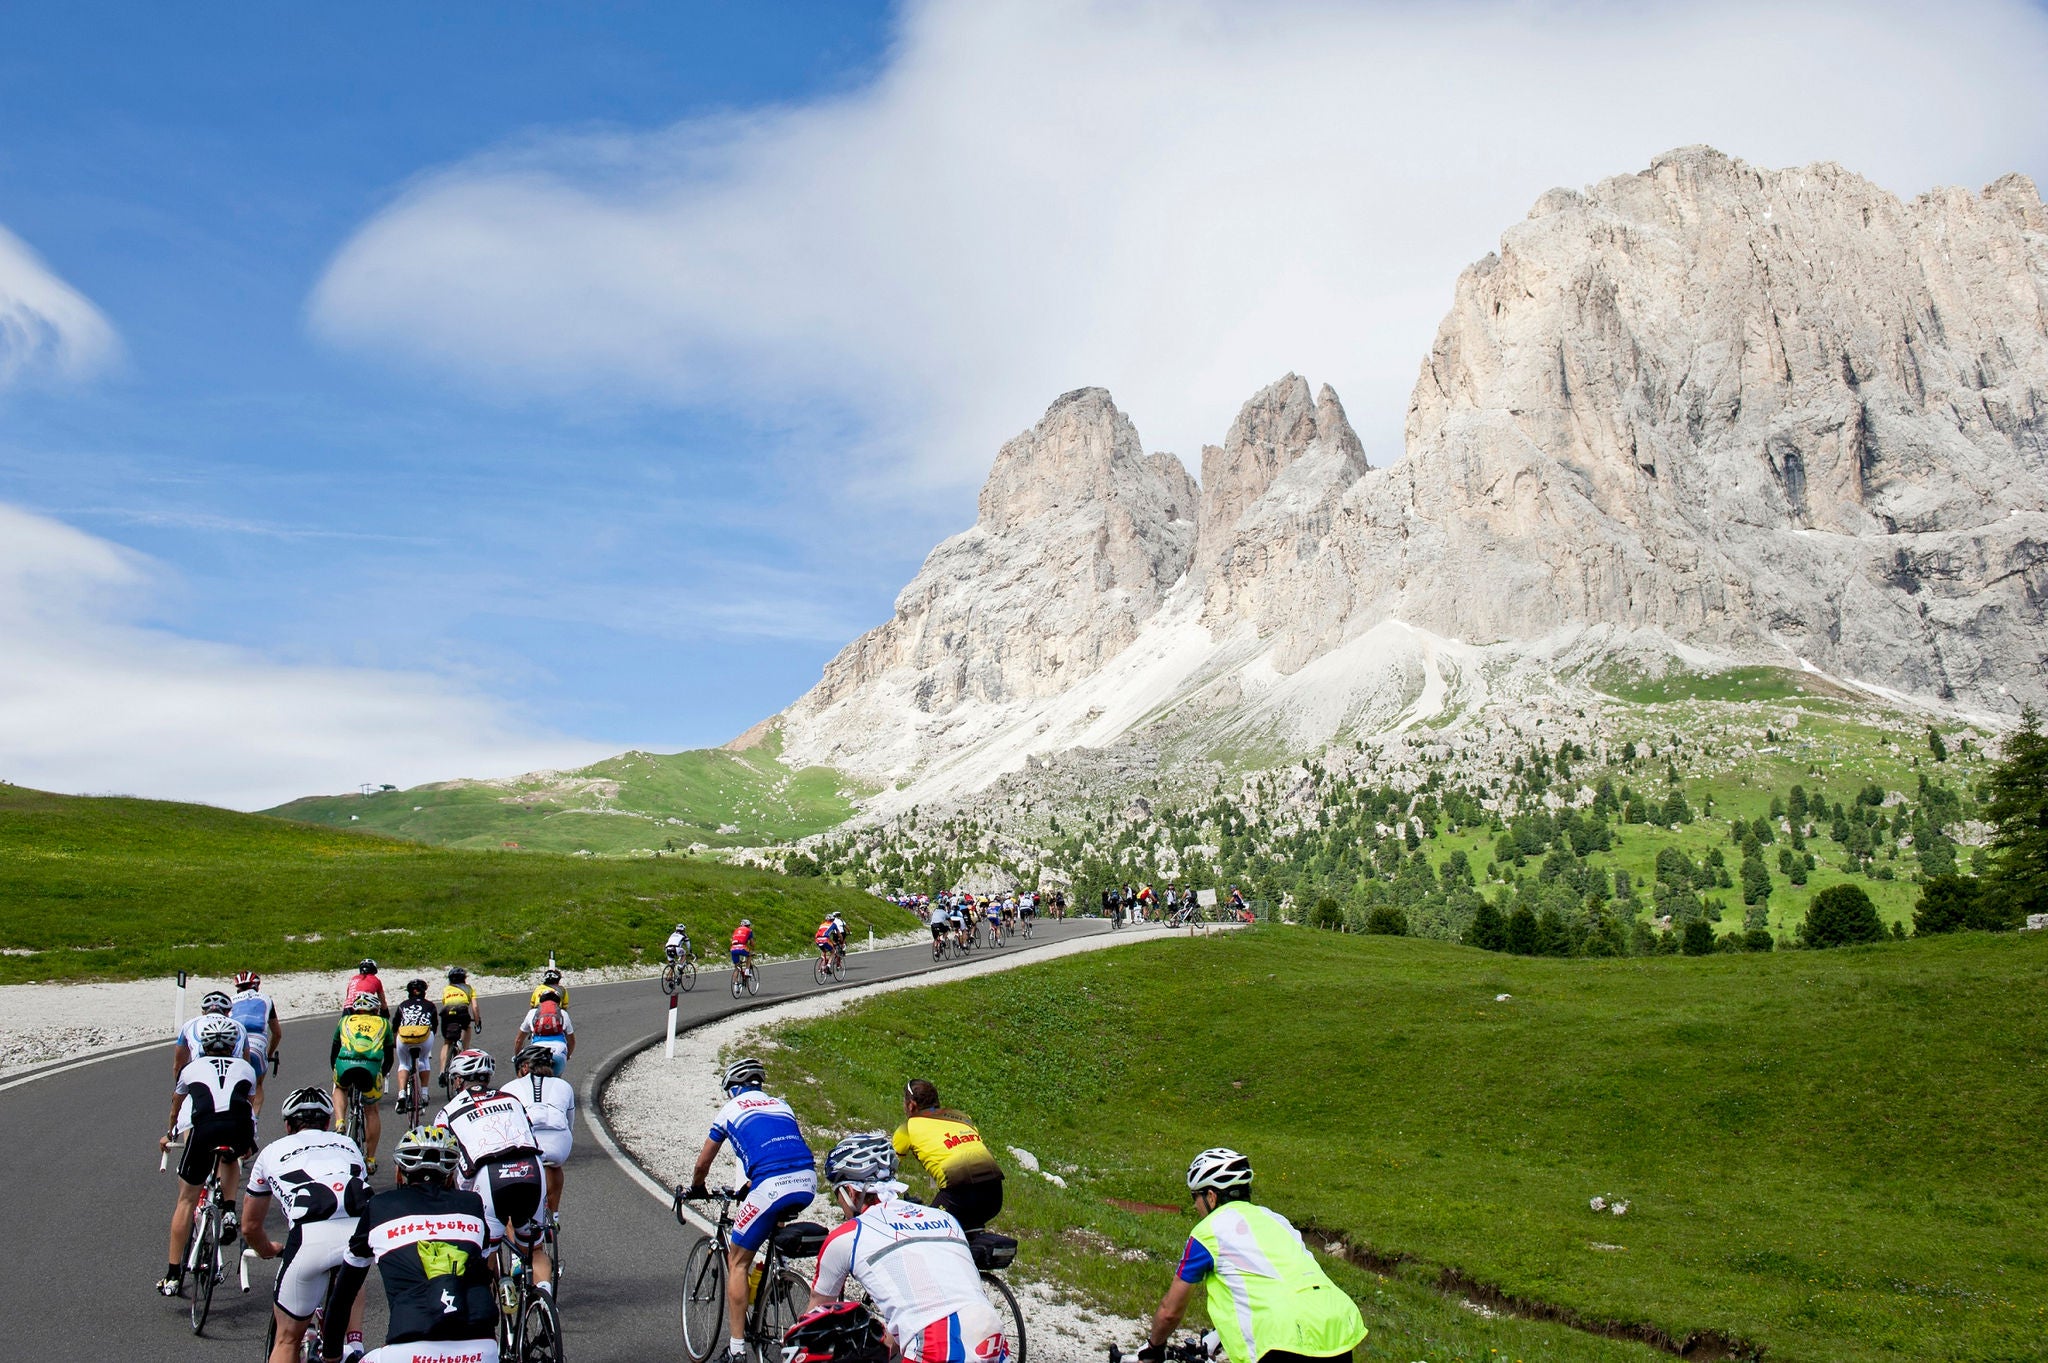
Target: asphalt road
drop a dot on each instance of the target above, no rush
(85, 1211)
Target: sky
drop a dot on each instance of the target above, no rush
(392, 393)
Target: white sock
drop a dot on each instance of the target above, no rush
(736, 1348)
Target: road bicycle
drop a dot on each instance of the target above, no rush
(309, 1343)
(529, 1324)
(551, 1241)
(354, 1122)
(830, 965)
(679, 976)
(746, 977)
(205, 1259)
(1024, 923)
(941, 944)
(779, 1292)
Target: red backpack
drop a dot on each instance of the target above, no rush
(547, 1019)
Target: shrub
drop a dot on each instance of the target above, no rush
(1699, 938)
(1387, 921)
(1523, 938)
(1759, 939)
(1325, 913)
(1961, 904)
(1841, 915)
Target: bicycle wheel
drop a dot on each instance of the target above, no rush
(822, 971)
(205, 1260)
(783, 1298)
(736, 985)
(753, 980)
(1005, 1304)
(686, 974)
(354, 1127)
(703, 1299)
(838, 967)
(669, 982)
(540, 1330)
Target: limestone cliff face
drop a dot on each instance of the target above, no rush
(1768, 412)
(1080, 534)
(1774, 415)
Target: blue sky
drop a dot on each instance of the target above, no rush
(570, 378)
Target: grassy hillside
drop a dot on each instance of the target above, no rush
(1827, 1155)
(636, 801)
(122, 888)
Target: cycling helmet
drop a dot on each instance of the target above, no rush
(365, 1002)
(535, 1058)
(456, 974)
(683, 928)
(746, 922)
(1221, 1168)
(217, 1035)
(551, 976)
(416, 988)
(215, 1002)
(248, 979)
(838, 917)
(366, 966)
(839, 1332)
(426, 1152)
(863, 1160)
(743, 1074)
(472, 1067)
(310, 1105)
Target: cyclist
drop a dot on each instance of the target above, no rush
(742, 945)
(992, 911)
(942, 928)
(780, 1170)
(501, 1159)
(677, 949)
(551, 1110)
(258, 1016)
(210, 1103)
(325, 1185)
(959, 922)
(1027, 909)
(429, 1241)
(460, 1010)
(360, 1055)
(969, 1180)
(1267, 1297)
(550, 983)
(831, 940)
(415, 1021)
(913, 1261)
(365, 981)
(548, 1024)
(185, 1047)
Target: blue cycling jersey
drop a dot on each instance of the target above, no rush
(253, 1012)
(764, 1135)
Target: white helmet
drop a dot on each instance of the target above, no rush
(1219, 1168)
(218, 1035)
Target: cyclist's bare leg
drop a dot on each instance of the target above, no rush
(340, 1108)
(543, 1268)
(373, 1127)
(181, 1222)
(738, 1264)
(290, 1332)
(554, 1173)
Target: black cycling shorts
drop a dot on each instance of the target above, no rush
(454, 1024)
(973, 1205)
(236, 1130)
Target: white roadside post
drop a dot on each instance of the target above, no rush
(179, 1024)
(672, 1026)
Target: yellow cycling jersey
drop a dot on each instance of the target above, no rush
(457, 996)
(560, 991)
(948, 1146)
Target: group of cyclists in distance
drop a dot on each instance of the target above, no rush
(477, 1193)
(479, 1168)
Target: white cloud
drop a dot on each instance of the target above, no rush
(1177, 200)
(47, 328)
(92, 701)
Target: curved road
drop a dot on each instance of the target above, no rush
(85, 1211)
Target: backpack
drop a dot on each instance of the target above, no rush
(547, 1019)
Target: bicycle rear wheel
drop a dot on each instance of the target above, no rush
(753, 980)
(1005, 1304)
(686, 974)
(822, 971)
(783, 1299)
(540, 1330)
(736, 985)
(205, 1262)
(703, 1300)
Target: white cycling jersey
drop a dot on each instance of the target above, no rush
(550, 1103)
(188, 1036)
(317, 1175)
(214, 1085)
(488, 1126)
(917, 1269)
